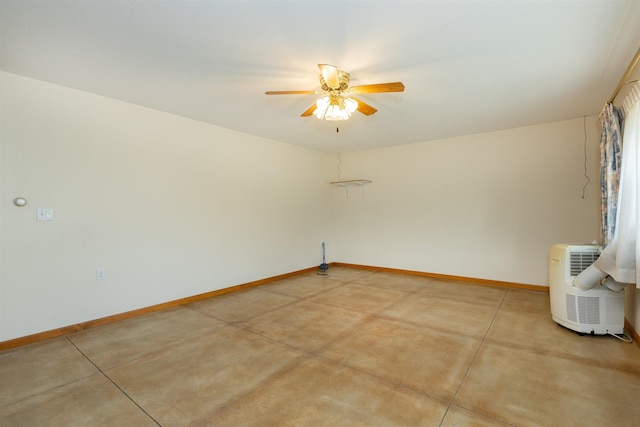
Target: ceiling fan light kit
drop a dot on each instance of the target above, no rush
(337, 102)
(335, 107)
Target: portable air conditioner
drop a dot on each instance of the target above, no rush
(597, 311)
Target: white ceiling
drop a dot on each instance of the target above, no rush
(468, 66)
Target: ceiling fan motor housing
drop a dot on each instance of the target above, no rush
(343, 82)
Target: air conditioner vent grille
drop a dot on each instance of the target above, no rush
(571, 307)
(589, 310)
(581, 260)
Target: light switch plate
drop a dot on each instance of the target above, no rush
(45, 214)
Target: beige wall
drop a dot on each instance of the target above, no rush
(172, 207)
(485, 206)
(169, 207)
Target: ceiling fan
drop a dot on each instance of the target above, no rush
(337, 102)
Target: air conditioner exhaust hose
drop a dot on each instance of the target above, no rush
(589, 278)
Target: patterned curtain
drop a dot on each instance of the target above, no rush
(610, 160)
(620, 179)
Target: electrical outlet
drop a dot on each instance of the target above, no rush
(100, 274)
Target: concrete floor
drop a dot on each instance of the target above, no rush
(353, 348)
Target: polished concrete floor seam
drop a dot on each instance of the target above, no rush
(101, 372)
(379, 314)
(49, 390)
(453, 398)
(242, 324)
(317, 353)
(262, 384)
(585, 361)
(452, 405)
(383, 379)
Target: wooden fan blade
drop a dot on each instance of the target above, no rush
(290, 92)
(330, 75)
(309, 111)
(365, 108)
(377, 88)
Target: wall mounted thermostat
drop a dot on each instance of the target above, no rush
(20, 201)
